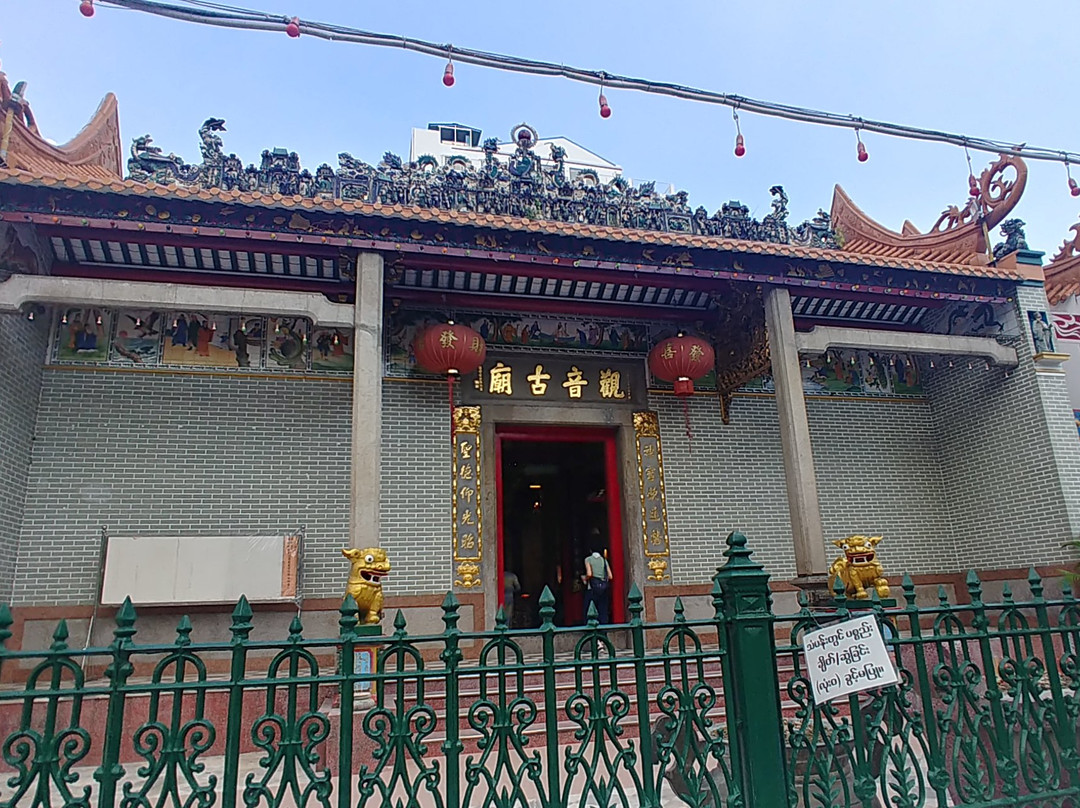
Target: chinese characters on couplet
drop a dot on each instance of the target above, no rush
(467, 528)
(653, 507)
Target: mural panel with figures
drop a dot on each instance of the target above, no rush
(138, 337)
(194, 340)
(82, 335)
(288, 343)
(332, 349)
(200, 339)
(854, 373)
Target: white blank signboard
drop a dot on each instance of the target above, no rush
(166, 570)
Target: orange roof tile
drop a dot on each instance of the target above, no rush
(959, 235)
(554, 228)
(1063, 272)
(93, 155)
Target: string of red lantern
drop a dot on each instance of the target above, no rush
(212, 13)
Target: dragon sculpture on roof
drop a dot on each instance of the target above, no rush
(524, 184)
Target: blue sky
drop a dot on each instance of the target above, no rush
(992, 69)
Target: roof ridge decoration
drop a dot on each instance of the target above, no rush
(94, 153)
(525, 186)
(1063, 271)
(961, 233)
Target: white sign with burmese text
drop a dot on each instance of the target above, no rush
(846, 658)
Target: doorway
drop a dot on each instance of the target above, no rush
(558, 502)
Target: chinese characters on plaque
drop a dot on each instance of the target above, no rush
(653, 504)
(467, 535)
(545, 379)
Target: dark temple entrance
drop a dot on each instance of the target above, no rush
(558, 500)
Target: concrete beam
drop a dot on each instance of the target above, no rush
(821, 338)
(20, 290)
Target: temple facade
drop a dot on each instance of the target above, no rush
(209, 384)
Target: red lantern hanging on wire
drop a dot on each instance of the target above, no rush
(451, 349)
(681, 360)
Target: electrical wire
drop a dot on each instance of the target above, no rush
(206, 12)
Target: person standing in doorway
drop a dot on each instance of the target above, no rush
(511, 588)
(597, 585)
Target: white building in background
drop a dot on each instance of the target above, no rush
(447, 141)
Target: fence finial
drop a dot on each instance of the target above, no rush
(634, 603)
(451, 615)
(908, 587)
(60, 636)
(349, 619)
(241, 620)
(547, 608)
(183, 631)
(737, 553)
(1035, 583)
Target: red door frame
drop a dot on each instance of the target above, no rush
(616, 540)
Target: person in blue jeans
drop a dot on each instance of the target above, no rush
(597, 586)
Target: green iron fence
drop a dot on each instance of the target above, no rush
(987, 711)
(706, 713)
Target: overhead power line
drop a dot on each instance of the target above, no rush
(226, 16)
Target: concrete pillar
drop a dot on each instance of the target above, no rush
(799, 472)
(367, 402)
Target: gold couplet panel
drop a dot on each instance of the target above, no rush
(650, 462)
(466, 510)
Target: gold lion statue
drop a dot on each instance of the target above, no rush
(369, 567)
(859, 567)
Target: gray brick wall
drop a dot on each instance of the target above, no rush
(877, 473)
(958, 480)
(415, 497)
(1010, 456)
(22, 352)
(181, 454)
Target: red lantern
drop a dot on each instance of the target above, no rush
(86, 8)
(293, 28)
(680, 360)
(451, 349)
(605, 110)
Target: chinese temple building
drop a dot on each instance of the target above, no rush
(210, 382)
